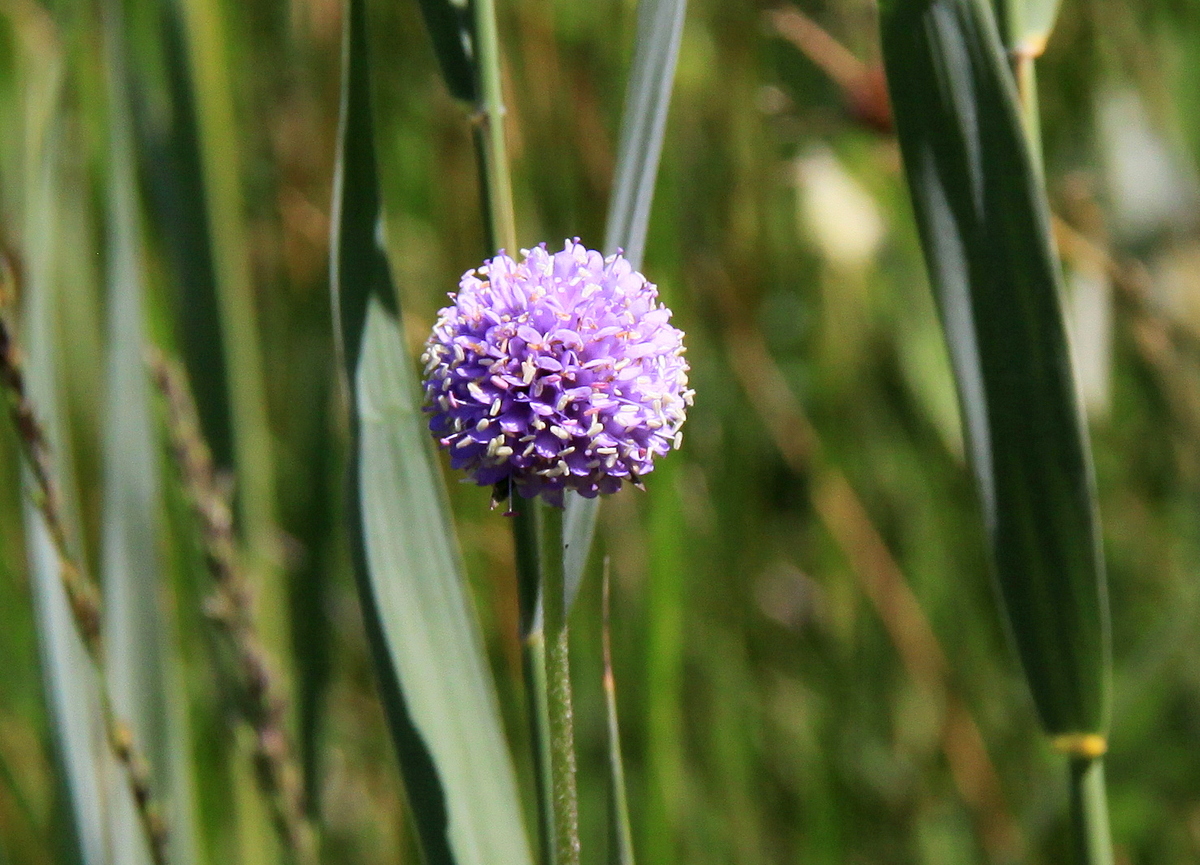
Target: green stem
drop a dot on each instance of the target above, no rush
(558, 678)
(1089, 812)
(489, 134)
(547, 683)
(533, 657)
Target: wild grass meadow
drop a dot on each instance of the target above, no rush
(918, 583)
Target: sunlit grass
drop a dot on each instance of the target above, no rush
(808, 658)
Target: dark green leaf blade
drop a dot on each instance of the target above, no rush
(449, 26)
(430, 662)
(984, 224)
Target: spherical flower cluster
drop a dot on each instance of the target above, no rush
(559, 372)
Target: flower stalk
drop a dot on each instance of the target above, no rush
(496, 187)
(496, 180)
(533, 662)
(558, 683)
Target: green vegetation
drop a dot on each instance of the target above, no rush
(315, 637)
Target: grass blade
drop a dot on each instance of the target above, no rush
(79, 745)
(656, 50)
(432, 671)
(655, 53)
(449, 25)
(172, 170)
(984, 225)
(142, 667)
(208, 57)
(251, 671)
(207, 60)
(620, 835)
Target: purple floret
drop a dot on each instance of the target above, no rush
(561, 372)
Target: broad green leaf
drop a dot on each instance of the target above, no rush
(432, 670)
(984, 224)
(143, 675)
(655, 52)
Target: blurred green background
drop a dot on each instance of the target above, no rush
(809, 663)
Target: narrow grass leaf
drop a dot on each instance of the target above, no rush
(79, 745)
(171, 167)
(984, 225)
(449, 26)
(209, 61)
(143, 675)
(620, 833)
(431, 667)
(643, 123)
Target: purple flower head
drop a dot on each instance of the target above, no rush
(560, 372)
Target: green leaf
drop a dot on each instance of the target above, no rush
(984, 225)
(432, 670)
(655, 52)
(143, 673)
(1026, 24)
(72, 698)
(172, 169)
(449, 26)
(620, 833)
(213, 74)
